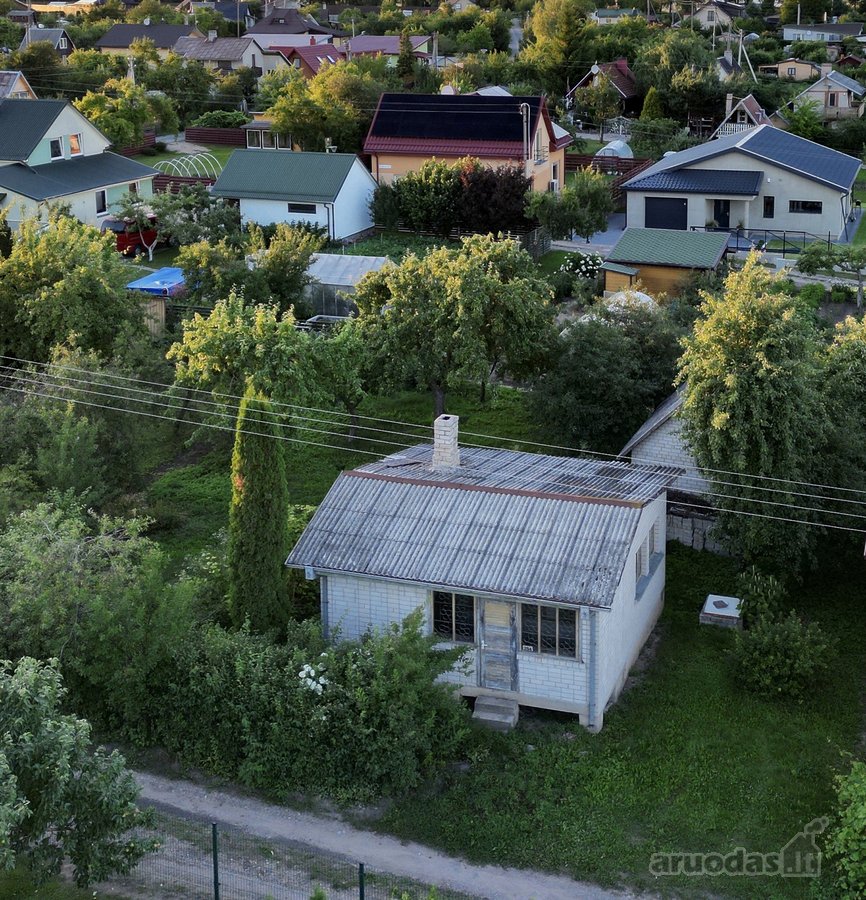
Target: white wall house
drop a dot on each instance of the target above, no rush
(331, 190)
(833, 96)
(549, 571)
(764, 178)
(50, 153)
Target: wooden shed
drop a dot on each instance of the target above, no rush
(661, 259)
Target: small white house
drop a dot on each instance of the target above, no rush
(550, 571)
(331, 190)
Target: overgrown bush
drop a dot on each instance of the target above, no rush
(845, 845)
(841, 293)
(782, 657)
(812, 295)
(354, 720)
(761, 596)
(220, 118)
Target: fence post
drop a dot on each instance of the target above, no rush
(360, 881)
(216, 860)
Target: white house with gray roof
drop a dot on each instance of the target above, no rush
(331, 190)
(50, 153)
(834, 96)
(549, 571)
(764, 178)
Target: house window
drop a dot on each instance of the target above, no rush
(56, 148)
(454, 616)
(548, 629)
(711, 15)
(539, 146)
(769, 207)
(62, 44)
(832, 99)
(815, 207)
(254, 139)
(75, 144)
(268, 142)
(133, 187)
(284, 141)
(101, 203)
(792, 71)
(308, 208)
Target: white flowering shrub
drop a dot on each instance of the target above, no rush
(577, 276)
(582, 265)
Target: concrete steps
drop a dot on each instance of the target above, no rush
(497, 713)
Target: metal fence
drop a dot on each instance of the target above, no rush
(205, 861)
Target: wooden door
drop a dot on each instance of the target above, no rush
(498, 648)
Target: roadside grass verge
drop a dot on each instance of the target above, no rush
(686, 762)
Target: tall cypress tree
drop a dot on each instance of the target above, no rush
(258, 520)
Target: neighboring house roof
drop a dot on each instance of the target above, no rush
(728, 66)
(662, 413)
(492, 90)
(71, 176)
(343, 268)
(503, 522)
(616, 13)
(755, 113)
(431, 124)
(277, 175)
(34, 33)
(164, 36)
(224, 48)
(386, 44)
(23, 125)
(618, 73)
(314, 56)
(667, 247)
(290, 21)
(700, 181)
(844, 82)
(790, 61)
(232, 11)
(840, 29)
(8, 80)
(754, 109)
(772, 145)
(851, 60)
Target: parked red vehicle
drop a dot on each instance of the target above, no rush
(129, 239)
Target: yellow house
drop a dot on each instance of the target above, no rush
(409, 129)
(792, 69)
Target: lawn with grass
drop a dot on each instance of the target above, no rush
(687, 761)
(189, 501)
(551, 261)
(395, 245)
(219, 152)
(18, 885)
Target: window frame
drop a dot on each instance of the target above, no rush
(558, 652)
(268, 135)
(104, 210)
(62, 44)
(769, 202)
(132, 187)
(73, 140)
(51, 143)
(309, 209)
(254, 133)
(453, 636)
(802, 207)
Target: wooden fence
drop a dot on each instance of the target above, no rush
(147, 140)
(228, 137)
(607, 165)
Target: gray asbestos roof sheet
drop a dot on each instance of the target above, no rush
(342, 268)
(505, 523)
(664, 411)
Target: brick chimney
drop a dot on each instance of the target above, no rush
(446, 450)
(826, 68)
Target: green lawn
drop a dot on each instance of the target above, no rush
(189, 502)
(686, 761)
(18, 885)
(550, 262)
(220, 153)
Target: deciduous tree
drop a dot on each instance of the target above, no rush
(581, 207)
(848, 258)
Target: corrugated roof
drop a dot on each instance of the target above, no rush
(163, 36)
(343, 268)
(23, 125)
(218, 49)
(507, 523)
(282, 175)
(700, 181)
(788, 151)
(664, 411)
(668, 247)
(70, 176)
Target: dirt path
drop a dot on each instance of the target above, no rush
(378, 852)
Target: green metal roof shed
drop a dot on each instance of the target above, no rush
(669, 247)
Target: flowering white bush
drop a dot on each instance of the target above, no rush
(311, 679)
(582, 265)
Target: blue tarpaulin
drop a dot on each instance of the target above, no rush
(167, 282)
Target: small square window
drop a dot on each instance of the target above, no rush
(133, 187)
(75, 144)
(549, 630)
(254, 139)
(268, 141)
(56, 148)
(454, 616)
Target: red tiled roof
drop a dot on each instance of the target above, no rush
(427, 147)
(755, 109)
(313, 55)
(619, 75)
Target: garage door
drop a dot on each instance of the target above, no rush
(666, 212)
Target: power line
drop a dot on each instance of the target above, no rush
(427, 429)
(369, 453)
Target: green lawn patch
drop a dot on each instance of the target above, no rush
(687, 761)
(395, 245)
(550, 262)
(219, 152)
(18, 885)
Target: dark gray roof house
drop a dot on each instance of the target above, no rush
(57, 37)
(122, 35)
(549, 570)
(763, 178)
